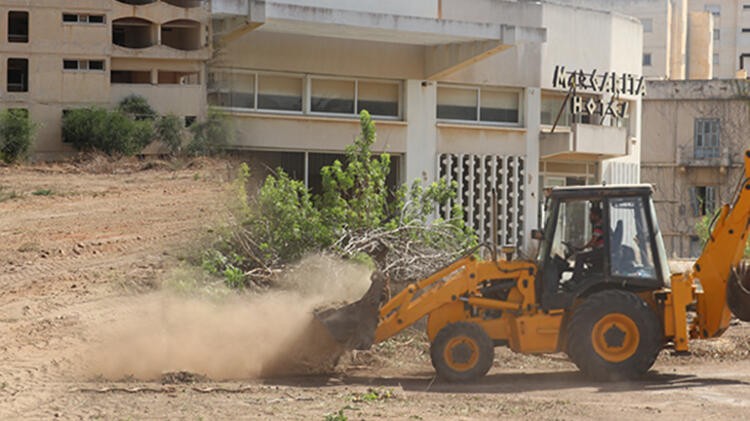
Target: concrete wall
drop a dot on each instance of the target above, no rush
(732, 41)
(701, 45)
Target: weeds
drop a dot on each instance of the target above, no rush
(42, 192)
(336, 416)
(373, 395)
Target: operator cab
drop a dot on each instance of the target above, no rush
(599, 237)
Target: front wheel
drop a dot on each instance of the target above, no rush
(613, 335)
(462, 352)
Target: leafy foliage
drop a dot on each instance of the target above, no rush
(356, 216)
(210, 136)
(703, 230)
(168, 130)
(111, 132)
(137, 108)
(16, 134)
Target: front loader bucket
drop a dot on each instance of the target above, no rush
(353, 326)
(738, 291)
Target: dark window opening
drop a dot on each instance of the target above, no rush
(70, 18)
(18, 75)
(96, 65)
(18, 26)
(133, 33)
(70, 64)
(190, 120)
(96, 18)
(182, 35)
(703, 200)
(130, 77)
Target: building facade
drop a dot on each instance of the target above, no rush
(58, 55)
(694, 138)
(466, 90)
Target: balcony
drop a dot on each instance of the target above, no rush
(585, 142)
(715, 157)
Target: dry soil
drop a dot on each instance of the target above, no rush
(83, 255)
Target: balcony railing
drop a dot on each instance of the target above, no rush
(691, 156)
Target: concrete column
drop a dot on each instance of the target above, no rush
(532, 117)
(420, 110)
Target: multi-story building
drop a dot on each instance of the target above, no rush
(694, 138)
(477, 91)
(59, 54)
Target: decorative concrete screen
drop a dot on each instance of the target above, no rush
(476, 175)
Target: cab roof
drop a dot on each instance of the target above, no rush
(600, 190)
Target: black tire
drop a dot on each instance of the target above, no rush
(601, 336)
(470, 355)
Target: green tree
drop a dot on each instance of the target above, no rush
(168, 130)
(16, 134)
(137, 108)
(355, 195)
(211, 136)
(111, 132)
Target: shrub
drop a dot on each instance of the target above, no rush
(168, 130)
(210, 136)
(16, 134)
(137, 108)
(356, 216)
(111, 132)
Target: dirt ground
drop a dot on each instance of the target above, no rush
(77, 246)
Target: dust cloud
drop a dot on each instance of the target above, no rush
(234, 337)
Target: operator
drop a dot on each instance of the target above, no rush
(595, 256)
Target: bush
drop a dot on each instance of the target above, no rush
(703, 230)
(16, 135)
(137, 108)
(111, 132)
(168, 130)
(210, 136)
(356, 216)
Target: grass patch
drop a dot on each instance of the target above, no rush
(8, 195)
(43, 192)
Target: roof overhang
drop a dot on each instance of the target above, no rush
(449, 44)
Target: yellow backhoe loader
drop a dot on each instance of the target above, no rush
(611, 309)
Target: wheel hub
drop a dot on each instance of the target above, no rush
(615, 337)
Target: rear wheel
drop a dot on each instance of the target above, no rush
(462, 352)
(613, 335)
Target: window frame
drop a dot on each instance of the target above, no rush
(26, 88)
(520, 121)
(83, 18)
(649, 62)
(306, 80)
(87, 67)
(703, 122)
(9, 36)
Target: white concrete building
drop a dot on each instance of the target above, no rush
(464, 89)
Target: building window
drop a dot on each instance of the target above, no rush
(130, 77)
(75, 18)
(476, 104)
(746, 6)
(551, 107)
(18, 75)
(646, 59)
(703, 200)
(93, 65)
(332, 96)
(190, 120)
(707, 138)
(717, 34)
(279, 92)
(714, 9)
(745, 30)
(715, 59)
(379, 98)
(648, 25)
(18, 26)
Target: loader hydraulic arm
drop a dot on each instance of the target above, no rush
(456, 282)
(723, 251)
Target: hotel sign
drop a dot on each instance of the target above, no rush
(598, 83)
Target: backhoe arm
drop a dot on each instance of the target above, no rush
(724, 250)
